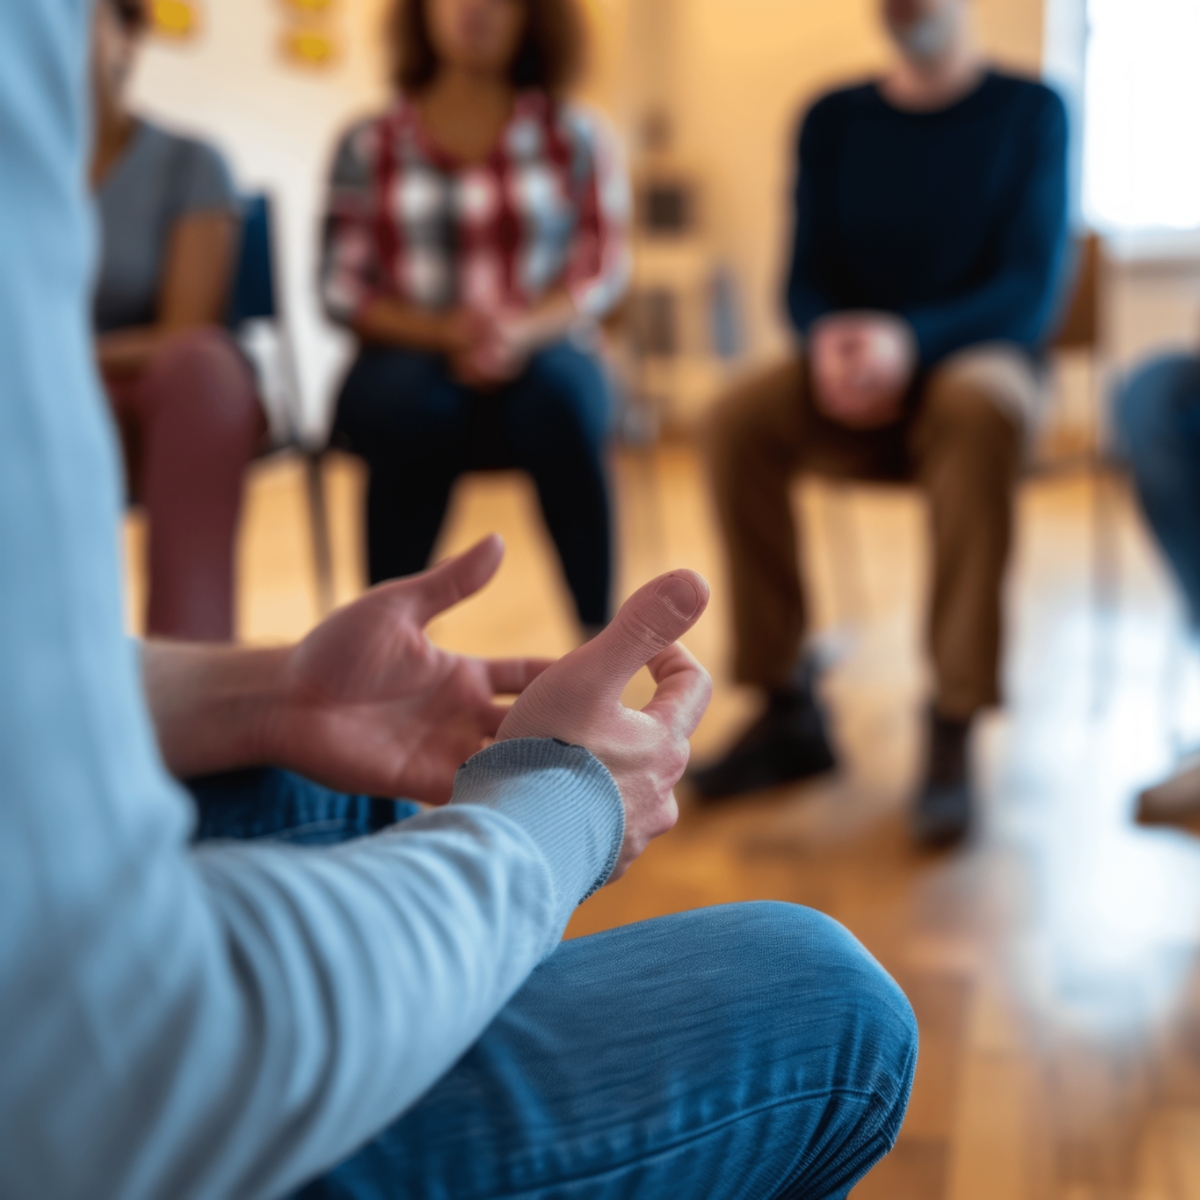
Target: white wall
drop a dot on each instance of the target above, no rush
(277, 124)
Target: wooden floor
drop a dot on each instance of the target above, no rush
(1054, 964)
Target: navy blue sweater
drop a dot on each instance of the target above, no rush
(955, 219)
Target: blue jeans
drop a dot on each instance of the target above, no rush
(1158, 421)
(753, 1050)
(419, 430)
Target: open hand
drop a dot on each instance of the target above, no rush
(371, 705)
(862, 365)
(578, 700)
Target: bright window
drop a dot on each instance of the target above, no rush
(1142, 134)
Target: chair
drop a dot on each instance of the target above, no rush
(253, 303)
(1080, 331)
(254, 298)
(1079, 328)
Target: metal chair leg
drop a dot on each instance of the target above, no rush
(318, 516)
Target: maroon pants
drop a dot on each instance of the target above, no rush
(190, 423)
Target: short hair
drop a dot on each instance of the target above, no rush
(131, 14)
(549, 58)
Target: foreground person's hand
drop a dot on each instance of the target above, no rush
(366, 703)
(578, 700)
(374, 706)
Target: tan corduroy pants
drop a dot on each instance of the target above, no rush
(962, 445)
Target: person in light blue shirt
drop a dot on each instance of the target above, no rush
(391, 1014)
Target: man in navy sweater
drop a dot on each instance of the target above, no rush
(930, 226)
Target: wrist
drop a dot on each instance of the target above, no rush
(547, 323)
(390, 322)
(449, 333)
(257, 697)
(564, 798)
(215, 708)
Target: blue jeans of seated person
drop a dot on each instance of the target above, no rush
(419, 429)
(1158, 421)
(753, 1050)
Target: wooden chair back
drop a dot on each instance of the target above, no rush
(1080, 327)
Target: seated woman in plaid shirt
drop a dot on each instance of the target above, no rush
(475, 232)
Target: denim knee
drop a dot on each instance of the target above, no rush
(1151, 409)
(838, 992)
(564, 391)
(745, 1050)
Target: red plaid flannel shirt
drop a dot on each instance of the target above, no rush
(548, 208)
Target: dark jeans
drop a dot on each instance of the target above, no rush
(754, 1050)
(266, 803)
(419, 430)
(1158, 419)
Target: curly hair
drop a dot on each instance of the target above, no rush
(549, 58)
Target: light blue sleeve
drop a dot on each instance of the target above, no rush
(224, 1022)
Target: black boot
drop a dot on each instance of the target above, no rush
(942, 815)
(787, 743)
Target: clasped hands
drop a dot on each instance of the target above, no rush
(367, 703)
(862, 365)
(488, 349)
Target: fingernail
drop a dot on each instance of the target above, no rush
(680, 593)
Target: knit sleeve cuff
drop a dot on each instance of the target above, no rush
(564, 799)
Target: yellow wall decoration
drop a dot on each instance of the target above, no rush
(175, 18)
(310, 37)
(309, 47)
(307, 7)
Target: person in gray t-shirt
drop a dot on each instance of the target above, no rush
(183, 395)
(161, 182)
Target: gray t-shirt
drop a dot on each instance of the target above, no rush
(160, 178)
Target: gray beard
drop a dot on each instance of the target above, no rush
(929, 37)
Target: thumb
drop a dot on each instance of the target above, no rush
(652, 619)
(455, 579)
